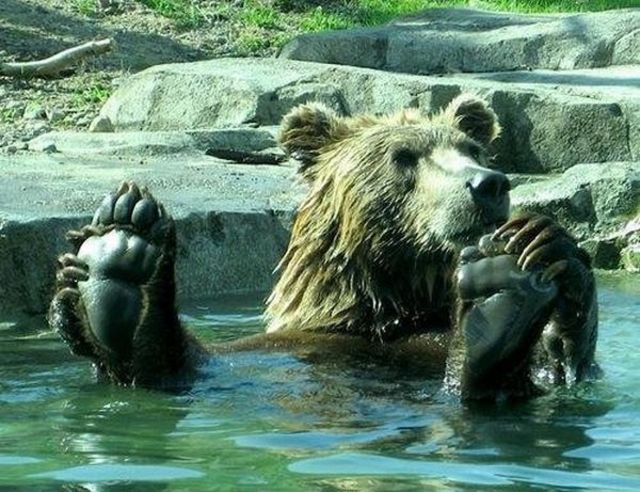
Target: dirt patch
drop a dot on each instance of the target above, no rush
(35, 29)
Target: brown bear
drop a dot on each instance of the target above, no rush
(401, 249)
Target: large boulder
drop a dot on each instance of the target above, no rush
(598, 203)
(547, 126)
(465, 40)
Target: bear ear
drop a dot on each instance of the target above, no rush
(472, 115)
(306, 129)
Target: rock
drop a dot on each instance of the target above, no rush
(84, 121)
(616, 248)
(16, 146)
(630, 257)
(548, 126)
(605, 253)
(33, 130)
(14, 108)
(43, 146)
(232, 220)
(35, 112)
(585, 198)
(101, 124)
(465, 40)
(161, 143)
(54, 115)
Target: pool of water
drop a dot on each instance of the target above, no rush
(272, 422)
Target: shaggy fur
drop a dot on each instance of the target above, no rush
(374, 243)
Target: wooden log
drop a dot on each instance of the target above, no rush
(55, 64)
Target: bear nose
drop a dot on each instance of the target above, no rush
(490, 191)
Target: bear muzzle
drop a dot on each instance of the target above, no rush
(490, 192)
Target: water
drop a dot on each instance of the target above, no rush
(271, 422)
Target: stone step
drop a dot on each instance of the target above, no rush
(232, 220)
(467, 40)
(546, 126)
(243, 141)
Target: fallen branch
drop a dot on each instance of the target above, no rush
(247, 157)
(56, 63)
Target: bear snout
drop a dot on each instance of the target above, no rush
(490, 192)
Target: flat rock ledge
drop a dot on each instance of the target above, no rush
(598, 203)
(441, 41)
(233, 220)
(551, 120)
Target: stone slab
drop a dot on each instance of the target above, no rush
(467, 40)
(232, 220)
(599, 204)
(548, 126)
(139, 144)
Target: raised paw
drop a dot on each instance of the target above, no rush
(502, 313)
(543, 247)
(116, 294)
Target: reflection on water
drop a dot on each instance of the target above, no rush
(271, 422)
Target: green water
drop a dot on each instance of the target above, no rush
(270, 422)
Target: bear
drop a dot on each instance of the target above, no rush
(403, 248)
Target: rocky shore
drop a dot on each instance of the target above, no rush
(201, 135)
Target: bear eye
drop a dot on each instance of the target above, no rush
(475, 151)
(405, 158)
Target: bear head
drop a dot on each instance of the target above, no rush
(392, 200)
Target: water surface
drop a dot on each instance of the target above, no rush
(271, 422)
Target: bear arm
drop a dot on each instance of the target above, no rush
(569, 339)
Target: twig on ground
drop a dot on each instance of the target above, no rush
(55, 64)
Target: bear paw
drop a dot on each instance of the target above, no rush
(116, 292)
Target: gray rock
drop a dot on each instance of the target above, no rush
(101, 124)
(630, 257)
(549, 124)
(84, 121)
(33, 130)
(617, 249)
(43, 144)
(54, 115)
(162, 143)
(34, 112)
(14, 108)
(465, 40)
(585, 198)
(604, 252)
(232, 220)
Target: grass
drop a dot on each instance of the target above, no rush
(95, 93)
(185, 13)
(339, 14)
(84, 7)
(260, 26)
(9, 115)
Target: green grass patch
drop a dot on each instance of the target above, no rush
(185, 13)
(259, 26)
(9, 115)
(320, 19)
(256, 43)
(540, 6)
(95, 93)
(261, 16)
(84, 7)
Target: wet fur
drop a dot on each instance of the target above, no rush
(360, 259)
